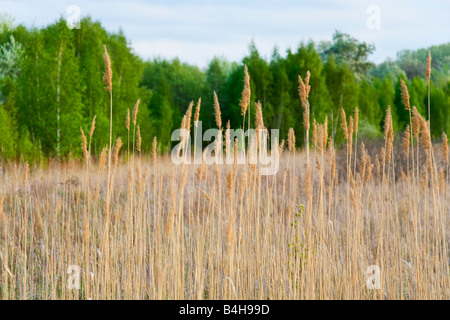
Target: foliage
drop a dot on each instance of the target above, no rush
(51, 85)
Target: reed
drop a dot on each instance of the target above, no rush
(150, 229)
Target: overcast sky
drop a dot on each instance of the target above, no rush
(196, 31)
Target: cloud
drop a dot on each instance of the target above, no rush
(196, 31)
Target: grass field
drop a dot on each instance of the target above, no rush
(138, 226)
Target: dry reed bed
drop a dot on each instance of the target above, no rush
(142, 227)
(400, 228)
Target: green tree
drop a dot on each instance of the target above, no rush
(162, 108)
(348, 50)
(386, 96)
(440, 112)
(306, 58)
(7, 148)
(280, 95)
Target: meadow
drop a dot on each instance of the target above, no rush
(137, 226)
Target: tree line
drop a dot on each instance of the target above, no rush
(51, 85)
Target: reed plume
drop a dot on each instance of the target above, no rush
(107, 75)
(445, 147)
(281, 147)
(200, 171)
(425, 142)
(127, 120)
(428, 77)
(197, 110)
(84, 145)
(183, 124)
(217, 112)
(189, 116)
(388, 134)
(428, 69)
(406, 141)
(291, 140)
(139, 139)
(351, 127)
(416, 120)
(405, 94)
(259, 120)
(303, 90)
(425, 138)
(91, 131)
(135, 111)
(356, 120)
(228, 140)
(245, 100)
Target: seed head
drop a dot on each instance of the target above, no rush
(325, 132)
(425, 138)
(303, 88)
(102, 161)
(217, 112)
(245, 100)
(139, 139)
(135, 111)
(107, 75)
(228, 139)
(406, 141)
(303, 91)
(388, 133)
(127, 121)
(405, 94)
(356, 120)
(428, 69)
(281, 147)
(416, 120)
(445, 147)
(189, 116)
(291, 140)
(91, 132)
(84, 145)
(259, 120)
(197, 110)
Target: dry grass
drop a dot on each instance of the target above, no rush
(150, 229)
(251, 246)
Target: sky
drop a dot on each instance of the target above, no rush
(196, 31)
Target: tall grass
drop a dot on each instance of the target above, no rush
(150, 229)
